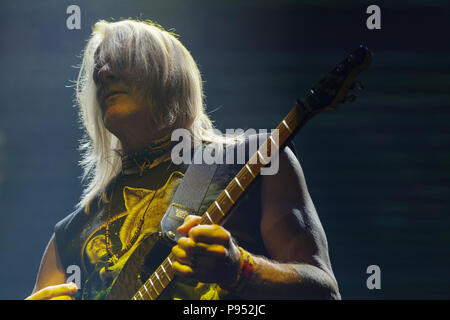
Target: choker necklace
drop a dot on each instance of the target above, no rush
(144, 158)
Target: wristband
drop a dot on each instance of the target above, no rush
(244, 274)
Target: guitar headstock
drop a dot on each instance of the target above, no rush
(334, 88)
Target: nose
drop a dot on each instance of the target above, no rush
(105, 74)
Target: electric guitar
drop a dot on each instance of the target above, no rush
(145, 278)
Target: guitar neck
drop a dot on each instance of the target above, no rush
(220, 209)
(327, 94)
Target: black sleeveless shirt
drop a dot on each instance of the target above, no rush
(81, 238)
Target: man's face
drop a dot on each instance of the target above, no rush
(122, 104)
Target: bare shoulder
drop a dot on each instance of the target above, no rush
(290, 226)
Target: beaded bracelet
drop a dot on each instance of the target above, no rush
(245, 272)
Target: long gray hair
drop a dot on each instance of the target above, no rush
(165, 67)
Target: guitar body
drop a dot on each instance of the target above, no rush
(140, 265)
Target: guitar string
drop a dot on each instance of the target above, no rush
(242, 175)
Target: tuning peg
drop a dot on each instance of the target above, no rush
(357, 85)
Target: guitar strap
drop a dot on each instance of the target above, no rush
(188, 198)
(191, 192)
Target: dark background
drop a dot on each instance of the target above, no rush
(377, 169)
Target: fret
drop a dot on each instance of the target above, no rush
(228, 195)
(146, 290)
(153, 286)
(167, 267)
(270, 147)
(214, 214)
(209, 218)
(170, 261)
(261, 157)
(238, 183)
(164, 270)
(273, 141)
(244, 178)
(224, 202)
(140, 294)
(283, 136)
(218, 207)
(287, 127)
(157, 277)
(233, 190)
(249, 170)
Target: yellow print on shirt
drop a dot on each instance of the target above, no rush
(138, 202)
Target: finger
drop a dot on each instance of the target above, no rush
(214, 250)
(189, 222)
(210, 234)
(54, 291)
(63, 298)
(190, 249)
(200, 252)
(188, 245)
(180, 255)
(182, 270)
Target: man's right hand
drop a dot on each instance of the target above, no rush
(58, 292)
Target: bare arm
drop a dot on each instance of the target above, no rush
(51, 278)
(294, 237)
(299, 266)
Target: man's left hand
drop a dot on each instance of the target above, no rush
(208, 253)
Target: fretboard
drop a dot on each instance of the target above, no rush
(221, 207)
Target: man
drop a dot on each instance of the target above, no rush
(137, 84)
